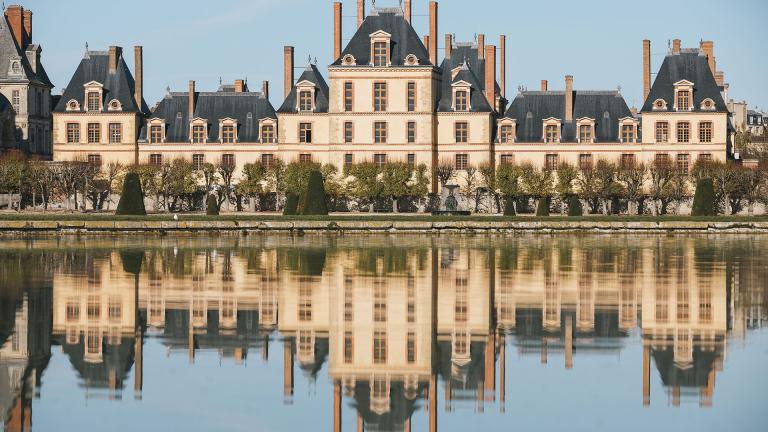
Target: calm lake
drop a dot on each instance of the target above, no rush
(384, 333)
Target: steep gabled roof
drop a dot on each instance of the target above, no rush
(689, 65)
(530, 108)
(119, 85)
(10, 51)
(472, 70)
(313, 75)
(404, 39)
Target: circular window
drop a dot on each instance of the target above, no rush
(411, 59)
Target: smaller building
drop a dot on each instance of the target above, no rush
(756, 123)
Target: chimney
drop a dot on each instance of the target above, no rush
(115, 52)
(568, 98)
(490, 75)
(336, 30)
(191, 101)
(709, 50)
(503, 65)
(360, 12)
(448, 45)
(481, 46)
(676, 46)
(720, 78)
(239, 86)
(138, 55)
(407, 10)
(426, 42)
(287, 70)
(265, 89)
(646, 68)
(433, 32)
(33, 57)
(28, 25)
(15, 15)
(544, 85)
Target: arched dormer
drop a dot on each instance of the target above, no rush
(156, 130)
(114, 105)
(659, 105)
(73, 105)
(348, 60)
(268, 130)
(628, 130)
(551, 130)
(707, 105)
(462, 92)
(380, 48)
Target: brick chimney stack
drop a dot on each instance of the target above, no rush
(287, 70)
(191, 101)
(568, 98)
(360, 12)
(676, 47)
(433, 32)
(239, 86)
(426, 42)
(336, 30)
(544, 85)
(115, 52)
(709, 50)
(448, 45)
(490, 75)
(138, 56)
(503, 65)
(15, 16)
(481, 46)
(646, 68)
(407, 10)
(28, 25)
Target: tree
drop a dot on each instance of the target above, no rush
(488, 175)
(180, 184)
(445, 171)
(469, 187)
(536, 183)
(275, 179)
(704, 198)
(251, 184)
(365, 184)
(313, 201)
(211, 205)
(113, 172)
(679, 188)
(13, 168)
(334, 186)
(508, 184)
(754, 179)
(661, 173)
(394, 178)
(607, 186)
(226, 171)
(574, 207)
(291, 204)
(566, 176)
(419, 186)
(632, 178)
(131, 199)
(542, 207)
(589, 187)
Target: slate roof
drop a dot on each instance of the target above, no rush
(465, 56)
(246, 107)
(119, 85)
(10, 50)
(313, 75)
(690, 65)
(530, 108)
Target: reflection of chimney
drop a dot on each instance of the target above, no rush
(569, 342)
(336, 30)
(646, 374)
(502, 372)
(544, 85)
(407, 10)
(265, 349)
(433, 403)
(191, 103)
(337, 406)
(138, 55)
(115, 52)
(568, 98)
(287, 70)
(287, 368)
(138, 375)
(503, 65)
(360, 423)
(360, 12)
(490, 368)
(490, 75)
(676, 46)
(448, 45)
(543, 351)
(676, 396)
(481, 46)
(433, 32)
(191, 337)
(646, 68)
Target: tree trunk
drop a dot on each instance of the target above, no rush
(394, 205)
(371, 208)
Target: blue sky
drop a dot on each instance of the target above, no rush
(597, 41)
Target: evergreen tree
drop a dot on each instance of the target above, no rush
(542, 209)
(313, 200)
(704, 198)
(291, 204)
(509, 206)
(211, 206)
(132, 199)
(574, 207)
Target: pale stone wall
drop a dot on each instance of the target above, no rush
(123, 153)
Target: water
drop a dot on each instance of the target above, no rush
(386, 333)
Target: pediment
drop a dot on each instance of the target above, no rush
(93, 84)
(380, 34)
(305, 83)
(683, 83)
(461, 83)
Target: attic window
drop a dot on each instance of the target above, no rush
(379, 54)
(461, 100)
(348, 60)
(73, 105)
(93, 101)
(16, 67)
(683, 100)
(659, 105)
(411, 60)
(115, 105)
(708, 105)
(305, 101)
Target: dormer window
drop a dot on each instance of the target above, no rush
(198, 131)
(461, 100)
(348, 60)
(507, 131)
(305, 100)
(411, 60)
(683, 95)
(267, 127)
(305, 96)
(628, 127)
(94, 101)
(586, 129)
(659, 105)
(115, 105)
(156, 131)
(380, 42)
(228, 131)
(683, 100)
(73, 105)
(708, 105)
(551, 131)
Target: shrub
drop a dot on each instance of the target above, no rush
(574, 207)
(211, 206)
(509, 206)
(704, 198)
(542, 208)
(291, 204)
(313, 201)
(132, 199)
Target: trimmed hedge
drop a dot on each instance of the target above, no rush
(704, 198)
(211, 206)
(575, 208)
(291, 204)
(313, 202)
(509, 206)
(132, 199)
(542, 208)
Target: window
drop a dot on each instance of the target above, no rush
(507, 159)
(94, 160)
(705, 157)
(411, 96)
(683, 312)
(16, 101)
(305, 158)
(94, 342)
(551, 162)
(380, 132)
(73, 133)
(705, 132)
(198, 134)
(305, 303)
(94, 101)
(305, 133)
(682, 163)
(662, 132)
(683, 132)
(349, 349)
(115, 311)
(627, 133)
(94, 133)
(462, 160)
(585, 161)
(228, 160)
(411, 132)
(683, 100)
(94, 308)
(73, 311)
(379, 304)
(662, 158)
(462, 132)
(348, 96)
(552, 134)
(228, 134)
(379, 53)
(198, 160)
(115, 133)
(462, 100)
(411, 158)
(305, 100)
(380, 96)
(348, 132)
(268, 134)
(411, 347)
(155, 159)
(348, 160)
(505, 134)
(627, 161)
(585, 133)
(155, 134)
(379, 347)
(266, 160)
(379, 159)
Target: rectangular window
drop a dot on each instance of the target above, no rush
(411, 96)
(380, 159)
(379, 53)
(198, 134)
(662, 132)
(462, 101)
(228, 160)
(585, 134)
(507, 159)
(305, 133)
(585, 161)
(73, 311)
(348, 96)
(462, 160)
(462, 132)
(305, 158)
(705, 132)
(94, 101)
(155, 159)
(268, 134)
(305, 101)
(348, 347)
(683, 100)
(198, 160)
(380, 132)
(683, 132)
(705, 157)
(73, 133)
(662, 158)
(94, 160)
(505, 134)
(683, 311)
(627, 160)
(115, 311)
(266, 160)
(379, 347)
(348, 159)
(16, 101)
(552, 134)
(551, 162)
(627, 133)
(379, 304)
(380, 96)
(155, 134)
(411, 160)
(228, 134)
(94, 133)
(94, 308)
(348, 132)
(411, 347)
(683, 163)
(411, 132)
(115, 133)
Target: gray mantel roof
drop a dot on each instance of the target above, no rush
(690, 65)
(530, 108)
(9, 50)
(472, 70)
(119, 85)
(313, 75)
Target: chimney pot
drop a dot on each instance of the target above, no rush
(360, 12)
(28, 25)
(490, 75)
(287, 70)
(239, 86)
(15, 16)
(646, 68)
(481, 46)
(265, 89)
(503, 65)
(138, 55)
(191, 101)
(709, 50)
(544, 85)
(676, 46)
(433, 32)
(115, 52)
(448, 45)
(337, 29)
(568, 98)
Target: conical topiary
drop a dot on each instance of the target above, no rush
(704, 198)
(313, 201)
(542, 208)
(132, 199)
(211, 206)
(574, 207)
(509, 206)
(291, 204)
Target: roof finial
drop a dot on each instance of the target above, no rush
(618, 88)
(309, 59)
(315, 61)
(168, 91)
(220, 81)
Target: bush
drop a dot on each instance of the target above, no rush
(313, 200)
(132, 199)
(542, 208)
(211, 206)
(291, 204)
(704, 198)
(509, 206)
(574, 207)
